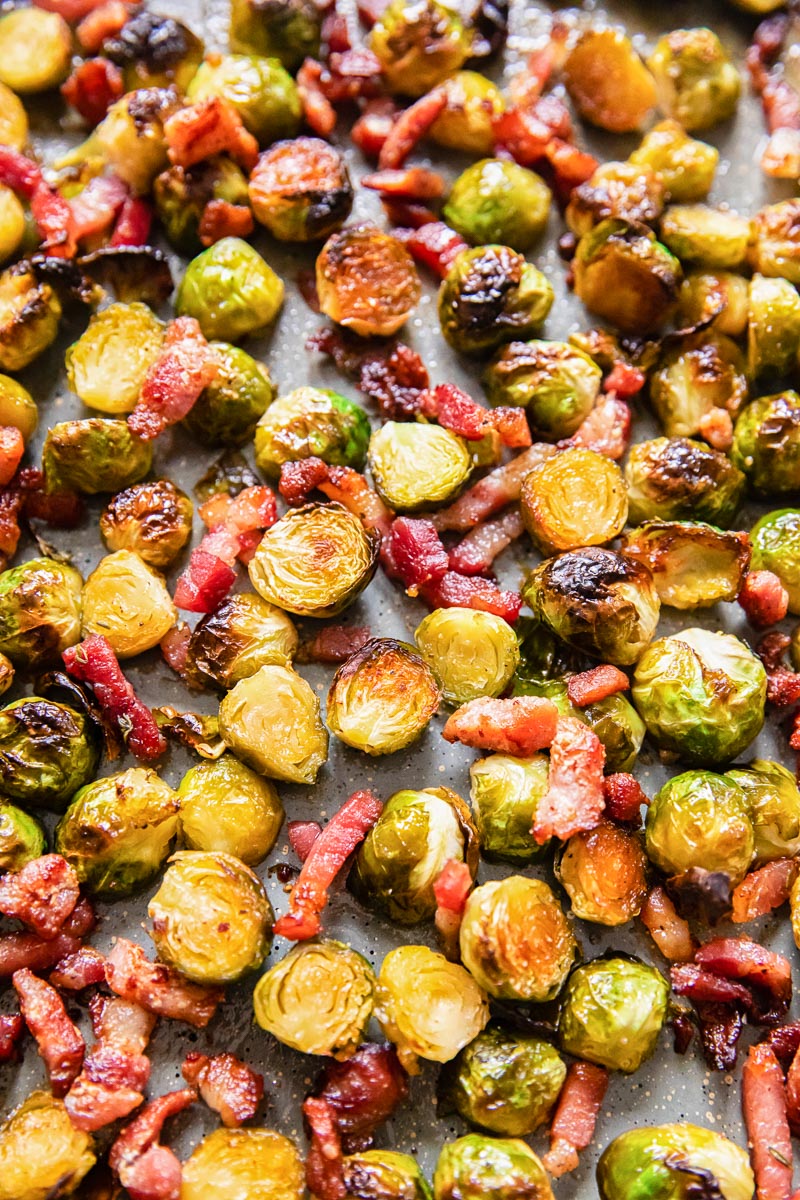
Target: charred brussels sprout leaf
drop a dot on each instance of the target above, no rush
(686, 166)
(366, 281)
(40, 612)
(152, 520)
(556, 383)
(262, 92)
(237, 1164)
(155, 51)
(766, 443)
(384, 1175)
(673, 1161)
(776, 247)
(94, 455)
(466, 122)
(708, 237)
(42, 1154)
(773, 802)
(35, 50)
(182, 194)
(18, 407)
(288, 30)
(418, 44)
(417, 466)
(47, 751)
(577, 498)
(624, 275)
(773, 329)
(616, 189)
(242, 635)
(693, 564)
(498, 201)
(30, 312)
(695, 376)
(603, 871)
(492, 295)
(227, 411)
(312, 422)
(476, 1166)
(318, 999)
(22, 838)
(230, 290)
(505, 794)
(471, 653)
(301, 190)
(699, 819)
(612, 1013)
(226, 806)
(671, 479)
(775, 539)
(696, 81)
(127, 602)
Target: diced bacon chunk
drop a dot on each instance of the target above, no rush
(607, 429)
(624, 798)
(706, 988)
(116, 1070)
(226, 1084)
(496, 490)
(435, 245)
(333, 644)
(74, 972)
(750, 963)
(158, 988)
(102, 22)
(763, 890)
(764, 1107)
(94, 209)
(363, 1092)
(372, 128)
(413, 553)
(205, 583)
(413, 183)
(302, 835)
(597, 684)
(324, 1166)
(93, 661)
(574, 800)
(451, 889)
(454, 590)
(42, 895)
(624, 380)
(783, 685)
(12, 1027)
(521, 725)
(577, 1110)
(210, 127)
(60, 1044)
(221, 219)
(147, 1170)
(793, 1095)
(185, 366)
(92, 88)
(20, 950)
(475, 553)
(133, 223)
(667, 928)
(410, 128)
(763, 598)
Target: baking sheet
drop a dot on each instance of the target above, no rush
(667, 1088)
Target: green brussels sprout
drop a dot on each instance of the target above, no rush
(94, 455)
(107, 365)
(775, 539)
(312, 422)
(22, 838)
(288, 30)
(243, 1164)
(35, 50)
(382, 698)
(716, 238)
(773, 802)
(773, 330)
(118, 831)
(696, 82)
(775, 251)
(301, 190)
(14, 223)
(471, 653)
(556, 383)
(428, 1007)
(577, 498)
(418, 44)
(686, 166)
(492, 295)
(701, 694)
(227, 412)
(181, 195)
(543, 656)
(699, 819)
(670, 1162)
(719, 297)
(604, 873)
(612, 1013)
(271, 720)
(18, 407)
(627, 277)
(243, 634)
(152, 520)
(403, 854)
(673, 479)
(43, 1156)
(262, 92)
(465, 123)
(515, 940)
(693, 565)
(505, 794)
(366, 281)
(130, 139)
(597, 601)
(211, 917)
(417, 466)
(127, 602)
(498, 201)
(315, 560)
(384, 1175)
(30, 312)
(226, 806)
(230, 290)
(40, 612)
(154, 51)
(47, 751)
(618, 726)
(693, 377)
(616, 189)
(766, 443)
(504, 1082)
(608, 82)
(475, 1166)
(318, 999)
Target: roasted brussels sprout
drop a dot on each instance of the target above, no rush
(230, 291)
(719, 297)
(155, 51)
(505, 794)
(40, 612)
(226, 806)
(504, 1082)
(465, 124)
(670, 1161)
(30, 311)
(693, 565)
(603, 871)
(35, 50)
(618, 726)
(181, 196)
(471, 653)
(130, 139)
(107, 365)
(701, 694)
(404, 853)
(238, 1164)
(694, 376)
(616, 189)
(271, 721)
(288, 30)
(716, 238)
(18, 407)
(773, 329)
(766, 443)
(775, 539)
(699, 819)
(301, 190)
(492, 295)
(243, 634)
(367, 281)
(382, 698)
(686, 166)
(42, 1154)
(94, 455)
(608, 82)
(262, 92)
(227, 411)
(312, 422)
(577, 498)
(13, 119)
(627, 277)
(417, 466)
(384, 1175)
(314, 561)
(515, 940)
(476, 1166)
(773, 803)
(418, 44)
(554, 381)
(671, 479)
(696, 82)
(47, 751)
(318, 999)
(429, 1007)
(12, 223)
(776, 241)
(498, 201)
(22, 838)
(127, 602)
(597, 601)
(612, 1013)
(152, 520)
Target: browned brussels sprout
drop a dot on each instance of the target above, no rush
(226, 806)
(505, 794)
(384, 1175)
(716, 238)
(417, 466)
(492, 295)
(152, 519)
(471, 653)
(94, 455)
(555, 382)
(18, 407)
(35, 50)
(699, 819)
(130, 139)
(671, 479)
(312, 422)
(40, 612)
(243, 634)
(181, 195)
(42, 1154)
(694, 376)
(22, 838)
(626, 276)
(465, 124)
(773, 803)
(288, 30)
(498, 201)
(696, 81)
(262, 92)
(776, 240)
(155, 51)
(418, 44)
(685, 166)
(300, 190)
(578, 498)
(227, 411)
(47, 751)
(30, 311)
(608, 82)
(612, 1013)
(669, 1159)
(230, 290)
(625, 191)
(476, 1166)
(766, 443)
(693, 565)
(13, 119)
(127, 602)
(237, 1164)
(367, 281)
(719, 297)
(107, 365)
(604, 873)
(13, 223)
(773, 329)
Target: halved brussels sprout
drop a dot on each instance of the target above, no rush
(696, 81)
(13, 119)
(773, 803)
(616, 189)
(271, 721)
(301, 190)
(243, 1164)
(382, 698)
(626, 276)
(498, 201)
(22, 838)
(288, 30)
(717, 238)
(13, 223)
(685, 165)
(515, 940)
(262, 92)
(694, 376)
(556, 383)
(6, 674)
(504, 1082)
(47, 751)
(40, 612)
(94, 455)
(471, 653)
(671, 479)
(404, 853)
(618, 726)
(211, 917)
(776, 242)
(608, 82)
(418, 44)
(719, 297)
(312, 422)
(578, 498)
(230, 290)
(700, 819)
(35, 50)
(242, 635)
(227, 411)
(775, 539)
(318, 999)
(417, 466)
(604, 873)
(612, 1013)
(127, 602)
(18, 407)
(367, 281)
(671, 1161)
(701, 694)
(465, 123)
(181, 196)
(773, 330)
(314, 561)
(118, 831)
(505, 794)
(766, 443)
(384, 1175)
(693, 565)
(152, 520)
(30, 311)
(475, 1166)
(492, 295)
(130, 139)
(42, 1155)
(428, 1007)
(226, 806)
(154, 51)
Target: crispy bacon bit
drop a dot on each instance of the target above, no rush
(344, 832)
(606, 430)
(94, 209)
(324, 1175)
(174, 646)
(374, 125)
(133, 223)
(362, 1093)
(302, 835)
(779, 98)
(407, 214)
(54, 220)
(575, 1118)
(318, 111)
(82, 969)
(413, 553)
(668, 930)
(93, 661)
(624, 380)
(783, 685)
(395, 382)
(60, 509)
(185, 366)
(333, 644)
(793, 1095)
(104, 21)
(70, 10)
(454, 590)
(784, 1042)
(520, 726)
(702, 895)
(458, 412)
(20, 950)
(42, 895)
(60, 1044)
(243, 518)
(451, 888)
(411, 127)
(343, 484)
(226, 1084)
(624, 798)
(716, 428)
(720, 1028)
(19, 173)
(496, 490)
(682, 1032)
(221, 219)
(205, 583)
(768, 1137)
(574, 800)
(11, 507)
(12, 1026)
(410, 183)
(475, 553)
(116, 1069)
(763, 598)
(159, 989)
(147, 1170)
(751, 963)
(212, 126)
(704, 987)
(764, 890)
(300, 478)
(92, 88)
(435, 245)
(598, 684)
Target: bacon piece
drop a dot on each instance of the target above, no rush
(205, 583)
(318, 111)
(79, 970)
(624, 380)
(133, 223)
(454, 590)
(412, 183)
(54, 220)
(11, 506)
(395, 381)
(352, 490)
(606, 430)
(703, 986)
(702, 895)
(21, 950)
(720, 1029)
(763, 598)
(221, 219)
(763, 890)
(458, 412)
(94, 209)
(210, 127)
(668, 930)
(92, 88)
(783, 685)
(768, 1137)
(413, 552)
(716, 428)
(103, 22)
(183, 369)
(243, 517)
(12, 1026)
(300, 478)
(411, 127)
(12, 448)
(475, 553)
(520, 726)
(435, 245)
(147, 1170)
(93, 661)
(575, 1118)
(116, 1069)
(70, 10)
(750, 963)
(42, 895)
(333, 644)
(302, 835)
(495, 491)
(574, 800)
(793, 1095)
(374, 125)
(344, 832)
(174, 646)
(158, 988)
(451, 888)
(19, 173)
(598, 684)
(324, 1167)
(624, 798)
(784, 1042)
(226, 1084)
(362, 1093)
(60, 1044)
